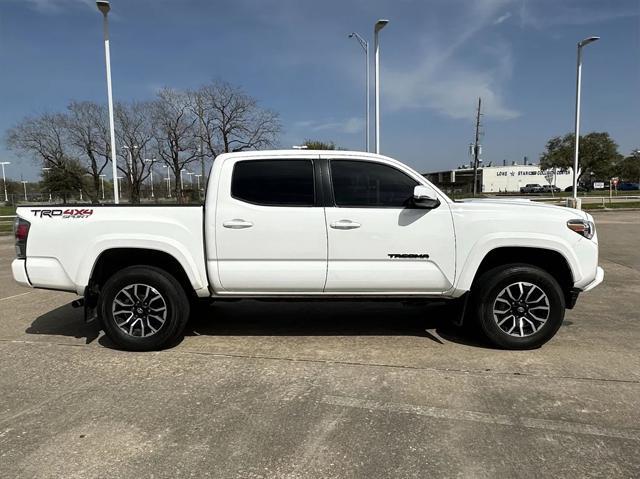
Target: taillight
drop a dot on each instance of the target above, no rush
(21, 231)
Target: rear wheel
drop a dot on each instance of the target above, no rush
(519, 306)
(143, 308)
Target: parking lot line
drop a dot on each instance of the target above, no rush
(476, 416)
(15, 296)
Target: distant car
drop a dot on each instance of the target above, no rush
(628, 186)
(531, 188)
(581, 189)
(550, 189)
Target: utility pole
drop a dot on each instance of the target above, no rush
(476, 149)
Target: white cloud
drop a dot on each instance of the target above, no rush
(502, 18)
(53, 6)
(542, 14)
(449, 80)
(349, 125)
(453, 93)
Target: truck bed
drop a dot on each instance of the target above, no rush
(65, 241)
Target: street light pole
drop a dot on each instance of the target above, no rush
(4, 180)
(104, 7)
(365, 46)
(581, 44)
(380, 24)
(24, 184)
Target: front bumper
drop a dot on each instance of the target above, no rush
(19, 271)
(572, 298)
(597, 280)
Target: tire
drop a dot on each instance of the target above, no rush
(143, 308)
(511, 302)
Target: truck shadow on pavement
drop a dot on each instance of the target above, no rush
(65, 321)
(282, 318)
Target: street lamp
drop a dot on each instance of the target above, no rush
(380, 24)
(152, 161)
(365, 46)
(102, 185)
(104, 7)
(581, 44)
(4, 180)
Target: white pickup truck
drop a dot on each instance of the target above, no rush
(313, 224)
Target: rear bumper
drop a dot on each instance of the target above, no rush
(597, 280)
(19, 271)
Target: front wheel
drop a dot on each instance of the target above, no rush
(143, 308)
(518, 306)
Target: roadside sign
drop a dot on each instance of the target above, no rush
(615, 181)
(550, 175)
(598, 185)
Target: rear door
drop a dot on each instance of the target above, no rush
(379, 242)
(270, 226)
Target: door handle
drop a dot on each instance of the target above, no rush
(344, 225)
(237, 224)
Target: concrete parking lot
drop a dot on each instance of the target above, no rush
(309, 389)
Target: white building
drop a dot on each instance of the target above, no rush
(500, 179)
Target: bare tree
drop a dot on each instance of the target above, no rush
(133, 135)
(43, 137)
(231, 120)
(86, 124)
(175, 133)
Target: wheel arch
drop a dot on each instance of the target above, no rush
(551, 261)
(114, 259)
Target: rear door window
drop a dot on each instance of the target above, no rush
(274, 182)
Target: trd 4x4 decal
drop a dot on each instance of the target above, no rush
(66, 213)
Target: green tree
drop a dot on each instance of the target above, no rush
(629, 168)
(598, 154)
(319, 145)
(64, 180)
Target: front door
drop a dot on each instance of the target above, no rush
(270, 227)
(379, 242)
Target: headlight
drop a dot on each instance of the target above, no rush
(582, 227)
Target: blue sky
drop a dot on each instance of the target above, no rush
(294, 56)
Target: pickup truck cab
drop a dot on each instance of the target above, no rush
(313, 224)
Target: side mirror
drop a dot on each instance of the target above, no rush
(421, 198)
